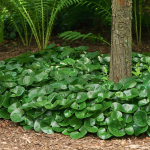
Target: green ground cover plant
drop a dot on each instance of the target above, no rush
(63, 89)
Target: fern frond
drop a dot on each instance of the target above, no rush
(86, 36)
(101, 8)
(76, 35)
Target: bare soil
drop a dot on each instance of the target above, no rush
(14, 137)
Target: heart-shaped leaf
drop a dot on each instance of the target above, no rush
(46, 125)
(75, 123)
(17, 114)
(138, 130)
(78, 106)
(116, 115)
(112, 127)
(129, 108)
(26, 80)
(4, 113)
(129, 129)
(140, 118)
(103, 134)
(18, 91)
(89, 125)
(78, 134)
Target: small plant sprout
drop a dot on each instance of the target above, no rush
(6, 45)
(15, 44)
(137, 71)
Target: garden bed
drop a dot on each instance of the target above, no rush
(13, 136)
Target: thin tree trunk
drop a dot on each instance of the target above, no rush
(121, 40)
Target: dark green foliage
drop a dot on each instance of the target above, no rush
(62, 90)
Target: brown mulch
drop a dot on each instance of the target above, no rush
(14, 137)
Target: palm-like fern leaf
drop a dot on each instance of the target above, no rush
(76, 35)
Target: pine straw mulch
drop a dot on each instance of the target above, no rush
(14, 137)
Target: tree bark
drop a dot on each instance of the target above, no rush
(121, 40)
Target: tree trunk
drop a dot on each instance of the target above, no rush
(121, 40)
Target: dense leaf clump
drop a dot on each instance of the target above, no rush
(67, 90)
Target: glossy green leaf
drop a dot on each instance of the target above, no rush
(120, 95)
(75, 123)
(2, 63)
(124, 80)
(9, 84)
(28, 72)
(148, 120)
(12, 107)
(46, 125)
(33, 92)
(106, 105)
(70, 71)
(78, 134)
(59, 85)
(18, 91)
(140, 118)
(84, 60)
(94, 87)
(116, 114)
(132, 93)
(82, 114)
(92, 55)
(49, 47)
(25, 60)
(117, 106)
(129, 84)
(4, 113)
(108, 85)
(29, 121)
(143, 93)
(127, 118)
(103, 134)
(17, 115)
(92, 94)
(78, 106)
(65, 122)
(1, 100)
(41, 76)
(117, 86)
(81, 97)
(89, 125)
(26, 80)
(143, 102)
(148, 131)
(112, 127)
(49, 105)
(129, 129)
(81, 48)
(138, 130)
(146, 83)
(129, 108)
(102, 96)
(67, 61)
(95, 107)
(100, 117)
(2, 88)
(45, 90)
(68, 113)
(67, 51)
(37, 122)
